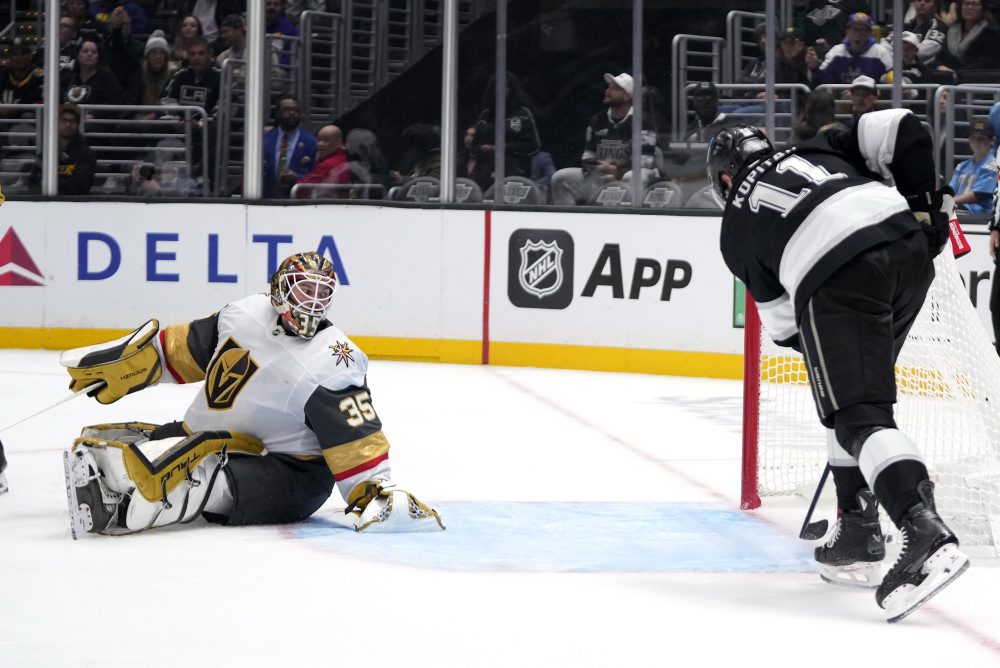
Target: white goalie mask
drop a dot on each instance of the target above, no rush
(301, 291)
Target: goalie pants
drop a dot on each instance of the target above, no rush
(273, 489)
(852, 331)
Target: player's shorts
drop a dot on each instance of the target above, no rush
(274, 489)
(854, 326)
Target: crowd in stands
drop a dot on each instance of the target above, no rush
(169, 53)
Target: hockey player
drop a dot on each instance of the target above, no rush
(284, 414)
(3, 467)
(839, 265)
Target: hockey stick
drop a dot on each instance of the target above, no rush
(92, 386)
(815, 530)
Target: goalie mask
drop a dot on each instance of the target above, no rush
(301, 291)
(731, 150)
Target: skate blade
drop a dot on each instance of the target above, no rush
(862, 575)
(943, 568)
(79, 521)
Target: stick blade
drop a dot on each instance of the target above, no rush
(814, 531)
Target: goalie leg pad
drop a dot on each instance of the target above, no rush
(163, 481)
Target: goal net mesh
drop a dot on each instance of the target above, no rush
(948, 381)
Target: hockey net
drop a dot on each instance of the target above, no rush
(948, 380)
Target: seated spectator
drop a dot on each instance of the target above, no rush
(791, 68)
(914, 71)
(818, 117)
(972, 40)
(929, 28)
(607, 148)
(864, 96)
(368, 164)
(707, 120)
(124, 54)
(825, 21)
(859, 54)
(156, 70)
(142, 181)
(20, 81)
(975, 179)
(289, 151)
(86, 25)
(234, 37)
(199, 83)
(69, 42)
(89, 81)
(543, 167)
(77, 162)
(467, 157)
(420, 154)
(755, 71)
(276, 23)
(521, 140)
(331, 164)
(188, 30)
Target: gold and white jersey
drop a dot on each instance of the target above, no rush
(305, 398)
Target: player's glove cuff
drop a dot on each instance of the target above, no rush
(381, 507)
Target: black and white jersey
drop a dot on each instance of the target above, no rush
(795, 218)
(608, 139)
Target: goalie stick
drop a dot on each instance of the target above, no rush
(73, 395)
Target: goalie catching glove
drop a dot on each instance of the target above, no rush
(122, 366)
(381, 507)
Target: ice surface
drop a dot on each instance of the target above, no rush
(592, 521)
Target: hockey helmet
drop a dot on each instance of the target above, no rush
(301, 291)
(733, 149)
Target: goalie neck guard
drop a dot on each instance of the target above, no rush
(301, 291)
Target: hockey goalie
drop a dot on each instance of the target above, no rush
(285, 415)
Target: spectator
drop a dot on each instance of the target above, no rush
(86, 25)
(275, 23)
(90, 82)
(77, 162)
(199, 83)
(543, 167)
(467, 157)
(124, 55)
(707, 119)
(791, 68)
(994, 228)
(69, 42)
(210, 14)
(234, 37)
(20, 81)
(857, 55)
(156, 68)
(368, 164)
(971, 42)
(142, 181)
(929, 28)
(914, 71)
(864, 96)
(994, 118)
(974, 180)
(817, 118)
(825, 21)
(420, 154)
(607, 149)
(289, 151)
(188, 30)
(755, 71)
(521, 140)
(331, 164)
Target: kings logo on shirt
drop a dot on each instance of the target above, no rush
(227, 375)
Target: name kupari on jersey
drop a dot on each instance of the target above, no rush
(751, 178)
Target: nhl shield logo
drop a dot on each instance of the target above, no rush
(541, 268)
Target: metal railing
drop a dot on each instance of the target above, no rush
(231, 122)
(918, 98)
(954, 108)
(20, 145)
(738, 26)
(694, 58)
(323, 56)
(752, 110)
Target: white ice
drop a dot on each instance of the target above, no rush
(563, 445)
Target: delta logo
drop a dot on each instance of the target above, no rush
(16, 265)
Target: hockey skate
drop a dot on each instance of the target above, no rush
(3, 468)
(93, 507)
(929, 561)
(853, 554)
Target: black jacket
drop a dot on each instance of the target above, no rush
(77, 165)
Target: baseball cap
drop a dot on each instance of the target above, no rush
(623, 81)
(789, 33)
(911, 38)
(864, 82)
(705, 89)
(21, 44)
(982, 127)
(860, 18)
(233, 21)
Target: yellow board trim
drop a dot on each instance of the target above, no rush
(454, 351)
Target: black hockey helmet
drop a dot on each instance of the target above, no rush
(732, 149)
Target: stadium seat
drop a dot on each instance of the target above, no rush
(517, 190)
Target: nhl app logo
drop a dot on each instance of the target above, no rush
(540, 269)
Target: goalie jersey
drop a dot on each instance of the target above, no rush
(795, 218)
(303, 398)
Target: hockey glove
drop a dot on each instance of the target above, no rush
(937, 218)
(124, 365)
(381, 507)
